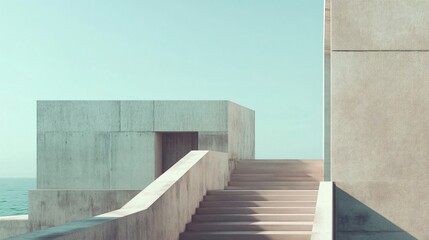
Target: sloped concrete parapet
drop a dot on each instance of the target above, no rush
(160, 211)
(323, 227)
(50, 208)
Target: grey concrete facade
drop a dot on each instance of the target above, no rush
(95, 156)
(379, 121)
(116, 144)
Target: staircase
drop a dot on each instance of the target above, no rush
(264, 200)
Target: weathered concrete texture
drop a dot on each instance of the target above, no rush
(190, 116)
(13, 225)
(380, 25)
(241, 132)
(323, 226)
(48, 208)
(73, 160)
(169, 202)
(380, 134)
(118, 144)
(215, 141)
(78, 116)
(356, 220)
(133, 160)
(137, 116)
(95, 160)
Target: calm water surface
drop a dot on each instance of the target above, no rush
(14, 195)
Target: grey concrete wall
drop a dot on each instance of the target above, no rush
(13, 225)
(170, 201)
(241, 133)
(379, 125)
(48, 208)
(327, 93)
(115, 144)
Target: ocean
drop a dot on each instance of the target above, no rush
(14, 195)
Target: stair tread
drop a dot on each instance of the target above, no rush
(256, 223)
(250, 232)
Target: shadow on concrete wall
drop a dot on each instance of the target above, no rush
(356, 221)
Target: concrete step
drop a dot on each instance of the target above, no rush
(252, 217)
(275, 175)
(272, 187)
(283, 171)
(263, 192)
(273, 183)
(254, 210)
(275, 178)
(247, 235)
(280, 161)
(259, 198)
(258, 204)
(250, 226)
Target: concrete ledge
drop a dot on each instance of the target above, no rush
(48, 208)
(160, 211)
(323, 218)
(13, 225)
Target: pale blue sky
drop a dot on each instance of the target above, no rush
(266, 55)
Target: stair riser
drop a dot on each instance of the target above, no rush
(274, 179)
(257, 204)
(272, 188)
(248, 227)
(189, 236)
(252, 218)
(264, 192)
(255, 210)
(253, 183)
(258, 198)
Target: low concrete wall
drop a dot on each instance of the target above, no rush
(323, 226)
(48, 208)
(13, 225)
(170, 201)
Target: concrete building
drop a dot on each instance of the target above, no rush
(94, 158)
(379, 136)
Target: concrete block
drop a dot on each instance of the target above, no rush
(78, 116)
(137, 116)
(380, 134)
(380, 116)
(73, 160)
(48, 208)
(241, 132)
(13, 225)
(380, 25)
(190, 116)
(132, 160)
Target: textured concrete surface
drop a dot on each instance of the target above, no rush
(118, 144)
(54, 116)
(95, 160)
(13, 225)
(323, 225)
(380, 134)
(48, 208)
(190, 116)
(241, 132)
(137, 116)
(380, 25)
(169, 202)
